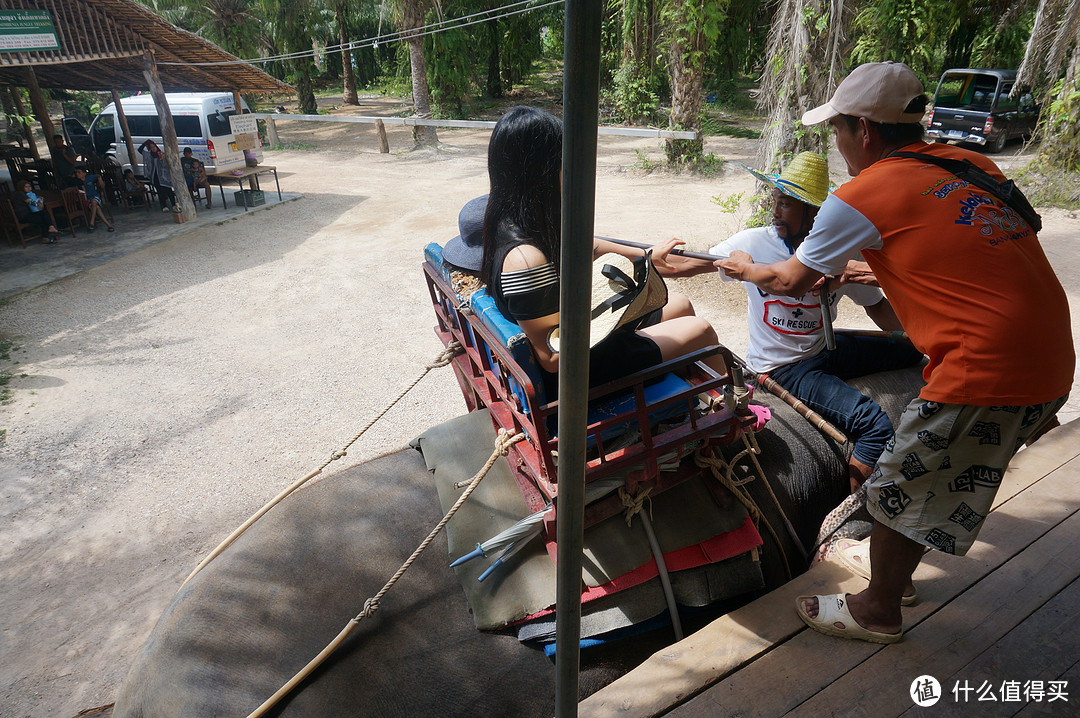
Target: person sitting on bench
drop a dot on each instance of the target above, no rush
(520, 265)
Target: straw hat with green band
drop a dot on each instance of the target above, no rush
(805, 178)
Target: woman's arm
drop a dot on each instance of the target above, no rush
(666, 265)
(522, 257)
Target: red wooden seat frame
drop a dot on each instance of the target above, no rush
(483, 370)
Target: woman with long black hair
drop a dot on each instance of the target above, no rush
(522, 241)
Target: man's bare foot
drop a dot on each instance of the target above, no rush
(864, 613)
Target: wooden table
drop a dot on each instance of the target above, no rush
(239, 175)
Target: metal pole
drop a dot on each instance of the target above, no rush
(826, 315)
(581, 89)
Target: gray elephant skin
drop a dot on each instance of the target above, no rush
(259, 612)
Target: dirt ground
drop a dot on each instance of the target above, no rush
(162, 398)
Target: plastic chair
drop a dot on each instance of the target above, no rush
(75, 208)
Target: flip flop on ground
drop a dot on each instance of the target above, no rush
(855, 557)
(834, 619)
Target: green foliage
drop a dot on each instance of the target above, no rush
(761, 216)
(449, 64)
(738, 51)
(552, 37)
(911, 31)
(1048, 186)
(643, 162)
(631, 95)
(6, 347)
(711, 125)
(706, 165)
(685, 18)
(688, 156)
(728, 204)
(1004, 46)
(1060, 149)
(520, 47)
(389, 86)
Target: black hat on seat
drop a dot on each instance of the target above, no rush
(467, 249)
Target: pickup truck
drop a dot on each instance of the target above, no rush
(975, 106)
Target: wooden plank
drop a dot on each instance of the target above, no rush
(684, 669)
(963, 629)
(1025, 654)
(1057, 448)
(797, 664)
(1057, 708)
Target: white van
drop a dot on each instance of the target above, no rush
(201, 120)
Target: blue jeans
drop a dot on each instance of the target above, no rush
(820, 383)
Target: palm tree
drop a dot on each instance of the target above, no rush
(348, 96)
(232, 24)
(293, 16)
(1052, 60)
(410, 14)
(690, 24)
(802, 69)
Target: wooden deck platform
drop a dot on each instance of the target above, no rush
(999, 618)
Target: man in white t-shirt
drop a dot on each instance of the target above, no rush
(787, 341)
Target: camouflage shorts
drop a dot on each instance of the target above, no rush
(936, 480)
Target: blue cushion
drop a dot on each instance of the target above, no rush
(658, 390)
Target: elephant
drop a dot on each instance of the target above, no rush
(256, 614)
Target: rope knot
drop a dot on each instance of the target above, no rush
(338, 454)
(370, 607)
(635, 504)
(446, 356)
(505, 440)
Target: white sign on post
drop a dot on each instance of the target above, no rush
(244, 129)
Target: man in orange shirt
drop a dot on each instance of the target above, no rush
(970, 283)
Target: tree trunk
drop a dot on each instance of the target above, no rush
(348, 76)
(686, 61)
(304, 92)
(1060, 147)
(170, 146)
(413, 16)
(1056, 30)
(297, 39)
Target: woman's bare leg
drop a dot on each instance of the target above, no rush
(678, 305)
(682, 335)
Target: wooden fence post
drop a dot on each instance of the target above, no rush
(384, 146)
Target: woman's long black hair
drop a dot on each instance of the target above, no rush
(525, 201)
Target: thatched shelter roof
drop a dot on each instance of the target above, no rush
(102, 43)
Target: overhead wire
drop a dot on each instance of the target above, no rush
(373, 42)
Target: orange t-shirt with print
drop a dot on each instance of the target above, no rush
(968, 280)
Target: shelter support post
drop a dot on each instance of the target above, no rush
(581, 89)
(122, 117)
(168, 136)
(41, 111)
(27, 131)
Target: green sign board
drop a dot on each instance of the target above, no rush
(26, 30)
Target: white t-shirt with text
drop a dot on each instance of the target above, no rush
(784, 329)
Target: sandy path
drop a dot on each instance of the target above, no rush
(170, 393)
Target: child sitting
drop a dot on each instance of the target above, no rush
(92, 186)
